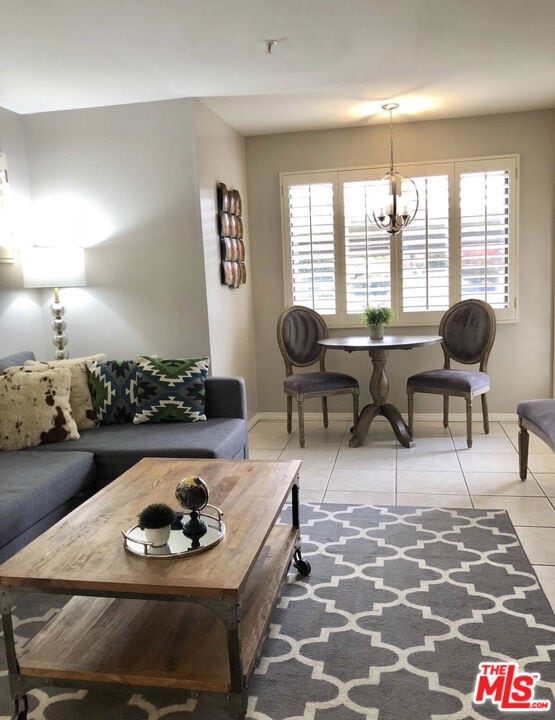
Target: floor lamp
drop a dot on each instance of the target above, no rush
(53, 267)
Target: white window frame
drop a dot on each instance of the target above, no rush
(6, 250)
(453, 168)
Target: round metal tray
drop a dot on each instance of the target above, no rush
(178, 544)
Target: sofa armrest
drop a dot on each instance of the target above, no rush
(226, 397)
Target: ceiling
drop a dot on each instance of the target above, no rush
(340, 61)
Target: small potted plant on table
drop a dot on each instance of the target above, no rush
(156, 521)
(376, 318)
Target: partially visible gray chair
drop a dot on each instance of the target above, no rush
(298, 331)
(468, 332)
(539, 417)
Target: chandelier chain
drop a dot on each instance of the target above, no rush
(391, 140)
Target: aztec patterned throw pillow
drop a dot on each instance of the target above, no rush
(113, 388)
(170, 390)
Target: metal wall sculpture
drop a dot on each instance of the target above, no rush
(230, 224)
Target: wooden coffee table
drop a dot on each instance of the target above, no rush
(194, 623)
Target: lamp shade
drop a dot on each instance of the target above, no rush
(49, 267)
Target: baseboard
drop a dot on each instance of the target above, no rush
(418, 417)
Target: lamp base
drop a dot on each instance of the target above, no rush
(58, 325)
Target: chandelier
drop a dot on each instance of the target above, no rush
(396, 200)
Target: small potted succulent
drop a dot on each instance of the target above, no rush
(156, 520)
(376, 318)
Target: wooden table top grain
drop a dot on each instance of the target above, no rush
(84, 553)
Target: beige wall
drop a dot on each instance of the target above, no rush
(146, 174)
(220, 157)
(153, 283)
(521, 360)
(132, 167)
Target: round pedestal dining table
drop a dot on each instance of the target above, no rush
(379, 383)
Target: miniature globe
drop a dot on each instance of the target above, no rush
(192, 493)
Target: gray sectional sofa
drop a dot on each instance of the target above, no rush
(39, 485)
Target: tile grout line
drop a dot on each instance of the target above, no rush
(462, 471)
(338, 445)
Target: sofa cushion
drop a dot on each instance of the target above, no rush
(16, 359)
(35, 409)
(170, 390)
(453, 381)
(80, 398)
(540, 418)
(33, 485)
(117, 447)
(113, 388)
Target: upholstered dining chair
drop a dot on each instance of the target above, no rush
(468, 332)
(298, 331)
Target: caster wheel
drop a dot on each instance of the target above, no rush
(303, 567)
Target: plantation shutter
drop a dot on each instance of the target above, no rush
(425, 249)
(312, 245)
(485, 236)
(367, 250)
(460, 245)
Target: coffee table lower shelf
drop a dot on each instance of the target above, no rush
(158, 643)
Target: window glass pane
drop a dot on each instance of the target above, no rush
(425, 248)
(312, 246)
(367, 250)
(484, 202)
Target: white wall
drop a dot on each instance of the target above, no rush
(220, 153)
(133, 168)
(521, 360)
(144, 177)
(21, 320)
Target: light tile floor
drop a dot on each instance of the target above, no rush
(439, 471)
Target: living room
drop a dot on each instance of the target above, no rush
(141, 176)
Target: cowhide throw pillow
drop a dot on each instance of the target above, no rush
(80, 396)
(35, 409)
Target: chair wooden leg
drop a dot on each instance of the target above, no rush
(485, 416)
(325, 410)
(300, 410)
(446, 411)
(523, 442)
(289, 414)
(469, 422)
(355, 411)
(411, 412)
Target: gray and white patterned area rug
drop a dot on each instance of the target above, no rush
(401, 608)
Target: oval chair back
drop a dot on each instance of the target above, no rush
(468, 331)
(298, 331)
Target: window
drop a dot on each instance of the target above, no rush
(6, 252)
(461, 243)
